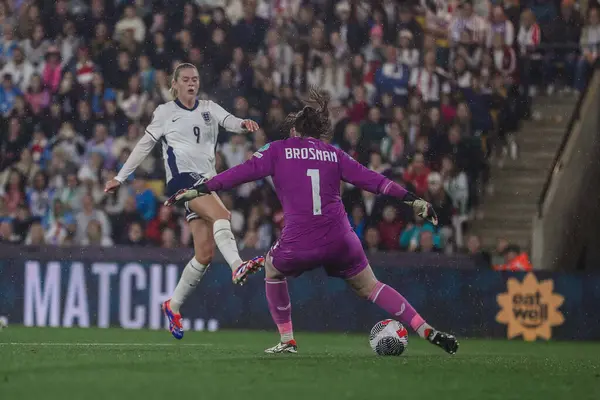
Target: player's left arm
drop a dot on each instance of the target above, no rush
(371, 181)
(259, 166)
(230, 122)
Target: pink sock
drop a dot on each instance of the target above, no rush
(395, 304)
(280, 307)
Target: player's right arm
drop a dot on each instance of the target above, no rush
(144, 146)
(371, 181)
(230, 122)
(261, 165)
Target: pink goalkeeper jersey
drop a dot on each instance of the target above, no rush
(307, 174)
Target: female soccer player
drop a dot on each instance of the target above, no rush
(188, 129)
(306, 173)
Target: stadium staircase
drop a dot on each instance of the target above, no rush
(508, 211)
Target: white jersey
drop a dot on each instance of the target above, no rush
(188, 138)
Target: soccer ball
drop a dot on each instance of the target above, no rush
(388, 338)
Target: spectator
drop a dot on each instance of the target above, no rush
(95, 237)
(101, 144)
(37, 96)
(122, 220)
(40, 196)
(408, 54)
(84, 67)
(502, 26)
(8, 95)
(528, 40)
(455, 184)
(36, 45)
(58, 220)
(8, 42)
(376, 163)
(476, 253)
(145, 199)
(329, 77)
(52, 69)
(13, 193)
(26, 166)
(132, 101)
(71, 195)
(372, 243)
(390, 229)
(19, 69)
(168, 239)
(21, 223)
(6, 232)
(234, 151)
(410, 239)
(563, 34)
(393, 77)
(90, 213)
(358, 221)
(69, 42)
(427, 243)
(12, 144)
(36, 236)
(249, 33)
(428, 80)
(589, 46)
(407, 21)
(164, 220)
(392, 146)
(439, 198)
(130, 22)
(417, 173)
(373, 128)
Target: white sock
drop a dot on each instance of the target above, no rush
(424, 330)
(226, 243)
(191, 276)
(287, 336)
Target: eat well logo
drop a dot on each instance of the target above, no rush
(530, 308)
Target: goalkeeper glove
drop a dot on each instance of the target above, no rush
(185, 195)
(422, 208)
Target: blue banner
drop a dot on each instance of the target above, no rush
(87, 292)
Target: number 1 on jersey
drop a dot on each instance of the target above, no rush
(315, 183)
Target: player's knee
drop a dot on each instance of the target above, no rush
(365, 288)
(204, 253)
(218, 215)
(270, 271)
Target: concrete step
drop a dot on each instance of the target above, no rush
(500, 216)
(528, 164)
(522, 237)
(550, 136)
(505, 177)
(566, 99)
(509, 211)
(493, 207)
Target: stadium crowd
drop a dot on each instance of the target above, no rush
(427, 93)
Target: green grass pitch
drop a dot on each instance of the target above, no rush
(103, 364)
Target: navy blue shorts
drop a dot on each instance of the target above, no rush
(180, 181)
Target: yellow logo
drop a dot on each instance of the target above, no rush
(530, 308)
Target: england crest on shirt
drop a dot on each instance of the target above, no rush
(206, 117)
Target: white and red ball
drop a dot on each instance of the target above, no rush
(388, 338)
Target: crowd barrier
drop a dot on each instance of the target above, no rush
(124, 287)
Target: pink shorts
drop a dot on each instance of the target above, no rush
(342, 258)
